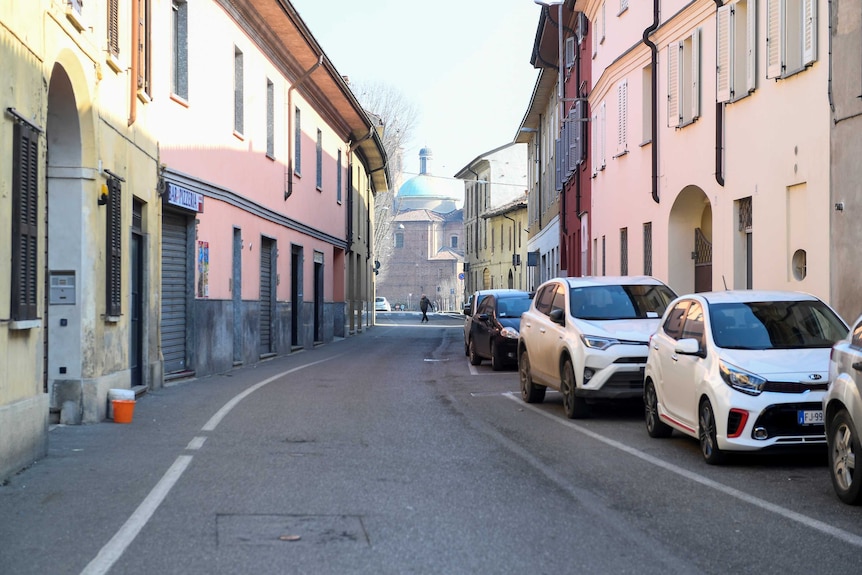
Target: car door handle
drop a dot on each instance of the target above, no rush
(858, 366)
(655, 346)
(674, 357)
(541, 330)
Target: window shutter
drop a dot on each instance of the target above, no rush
(114, 27)
(25, 222)
(558, 181)
(774, 41)
(113, 251)
(723, 71)
(751, 47)
(594, 139)
(622, 116)
(602, 134)
(809, 32)
(695, 74)
(570, 52)
(673, 69)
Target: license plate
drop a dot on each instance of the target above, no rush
(810, 417)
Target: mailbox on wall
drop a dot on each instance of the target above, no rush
(62, 288)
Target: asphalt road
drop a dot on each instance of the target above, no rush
(388, 453)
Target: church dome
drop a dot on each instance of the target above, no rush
(426, 192)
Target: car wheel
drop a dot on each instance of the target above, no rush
(474, 357)
(844, 448)
(496, 360)
(530, 392)
(707, 435)
(575, 407)
(654, 425)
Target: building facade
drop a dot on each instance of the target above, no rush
(677, 89)
(507, 246)
(492, 180)
(80, 212)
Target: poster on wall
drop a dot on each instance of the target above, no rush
(203, 269)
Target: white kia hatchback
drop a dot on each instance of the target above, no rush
(741, 370)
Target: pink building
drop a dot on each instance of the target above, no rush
(269, 168)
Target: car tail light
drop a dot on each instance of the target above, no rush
(736, 421)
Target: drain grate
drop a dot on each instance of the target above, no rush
(290, 530)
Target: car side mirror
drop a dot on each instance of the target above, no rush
(689, 346)
(558, 316)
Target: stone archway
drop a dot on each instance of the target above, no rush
(690, 242)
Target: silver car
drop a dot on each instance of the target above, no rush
(842, 413)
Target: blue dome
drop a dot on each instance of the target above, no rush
(425, 186)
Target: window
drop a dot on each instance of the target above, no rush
(180, 54)
(270, 119)
(297, 142)
(624, 251)
(113, 248)
(144, 30)
(453, 242)
(648, 249)
(646, 104)
(736, 74)
(791, 36)
(675, 320)
(683, 90)
(114, 28)
(319, 158)
(622, 117)
(856, 340)
(25, 222)
(338, 180)
(237, 91)
(399, 240)
(604, 253)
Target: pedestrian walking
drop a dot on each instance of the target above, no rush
(424, 304)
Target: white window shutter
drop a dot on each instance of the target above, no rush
(603, 134)
(751, 47)
(723, 68)
(774, 40)
(673, 118)
(594, 140)
(809, 32)
(695, 74)
(570, 52)
(622, 116)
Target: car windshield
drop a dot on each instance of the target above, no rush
(775, 325)
(513, 306)
(619, 301)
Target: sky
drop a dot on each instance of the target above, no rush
(465, 64)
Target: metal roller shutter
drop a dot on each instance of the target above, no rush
(174, 292)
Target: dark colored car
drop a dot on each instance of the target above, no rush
(495, 328)
(470, 307)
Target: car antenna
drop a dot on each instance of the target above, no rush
(724, 281)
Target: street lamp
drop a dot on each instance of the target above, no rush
(560, 64)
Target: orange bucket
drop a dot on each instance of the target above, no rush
(124, 410)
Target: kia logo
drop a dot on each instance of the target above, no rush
(815, 377)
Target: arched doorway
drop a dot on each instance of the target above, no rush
(690, 242)
(64, 368)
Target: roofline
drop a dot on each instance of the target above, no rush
(481, 157)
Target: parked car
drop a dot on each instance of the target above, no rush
(842, 414)
(587, 337)
(381, 304)
(741, 370)
(495, 326)
(470, 307)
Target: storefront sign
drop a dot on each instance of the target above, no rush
(183, 198)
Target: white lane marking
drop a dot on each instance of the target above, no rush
(697, 478)
(118, 544)
(196, 443)
(112, 551)
(221, 413)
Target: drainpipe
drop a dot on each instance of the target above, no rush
(290, 119)
(136, 31)
(719, 130)
(654, 88)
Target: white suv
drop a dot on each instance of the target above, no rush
(842, 413)
(587, 337)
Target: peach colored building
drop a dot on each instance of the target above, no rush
(269, 168)
(710, 142)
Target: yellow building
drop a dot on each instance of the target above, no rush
(506, 254)
(78, 195)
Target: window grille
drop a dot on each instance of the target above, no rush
(648, 248)
(745, 214)
(624, 251)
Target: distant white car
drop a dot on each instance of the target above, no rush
(842, 412)
(741, 370)
(381, 304)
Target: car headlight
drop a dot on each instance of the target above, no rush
(741, 380)
(509, 332)
(597, 342)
